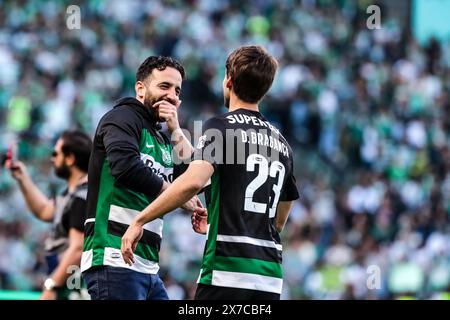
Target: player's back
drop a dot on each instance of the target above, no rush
(253, 167)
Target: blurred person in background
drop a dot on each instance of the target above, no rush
(67, 212)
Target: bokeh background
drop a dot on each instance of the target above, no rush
(367, 112)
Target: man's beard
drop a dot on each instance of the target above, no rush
(149, 101)
(63, 171)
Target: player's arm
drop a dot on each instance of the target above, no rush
(181, 145)
(283, 209)
(41, 206)
(70, 257)
(120, 139)
(213, 132)
(180, 191)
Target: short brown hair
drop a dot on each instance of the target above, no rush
(252, 70)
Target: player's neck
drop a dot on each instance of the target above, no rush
(236, 103)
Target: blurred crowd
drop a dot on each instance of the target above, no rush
(367, 113)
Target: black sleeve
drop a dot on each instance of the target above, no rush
(121, 133)
(210, 146)
(77, 214)
(289, 191)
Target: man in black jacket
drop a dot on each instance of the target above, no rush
(130, 165)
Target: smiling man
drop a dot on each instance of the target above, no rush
(131, 164)
(66, 212)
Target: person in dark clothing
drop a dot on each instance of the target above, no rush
(131, 164)
(67, 212)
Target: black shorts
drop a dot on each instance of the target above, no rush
(207, 292)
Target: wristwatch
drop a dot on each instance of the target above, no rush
(49, 284)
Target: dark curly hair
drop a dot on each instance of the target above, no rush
(160, 63)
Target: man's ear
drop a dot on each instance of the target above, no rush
(139, 87)
(70, 159)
